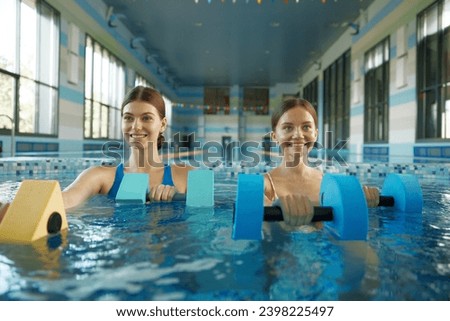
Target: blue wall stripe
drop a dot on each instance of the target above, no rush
(71, 95)
(187, 111)
(412, 41)
(393, 52)
(64, 39)
(404, 97)
(377, 19)
(261, 130)
(81, 51)
(220, 130)
(356, 111)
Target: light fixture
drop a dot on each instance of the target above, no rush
(135, 41)
(113, 18)
(355, 27)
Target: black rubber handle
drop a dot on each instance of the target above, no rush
(387, 201)
(179, 197)
(321, 213)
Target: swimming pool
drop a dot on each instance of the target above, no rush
(165, 251)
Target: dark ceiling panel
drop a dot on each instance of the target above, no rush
(241, 42)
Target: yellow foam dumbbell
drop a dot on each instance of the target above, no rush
(36, 211)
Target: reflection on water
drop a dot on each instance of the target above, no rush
(165, 251)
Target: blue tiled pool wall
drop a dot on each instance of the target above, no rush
(45, 166)
(66, 166)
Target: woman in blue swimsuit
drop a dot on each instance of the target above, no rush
(143, 124)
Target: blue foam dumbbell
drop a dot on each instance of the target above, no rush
(403, 192)
(343, 207)
(134, 188)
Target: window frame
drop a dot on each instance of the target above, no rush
(94, 93)
(37, 80)
(427, 128)
(336, 98)
(376, 102)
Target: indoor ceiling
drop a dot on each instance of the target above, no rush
(236, 42)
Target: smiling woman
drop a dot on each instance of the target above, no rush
(294, 185)
(143, 124)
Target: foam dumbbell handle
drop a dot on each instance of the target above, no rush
(179, 197)
(387, 201)
(321, 213)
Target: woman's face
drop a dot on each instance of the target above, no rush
(295, 131)
(141, 124)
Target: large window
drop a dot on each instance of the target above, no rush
(256, 100)
(433, 72)
(336, 100)
(376, 94)
(311, 92)
(29, 58)
(141, 81)
(104, 92)
(217, 100)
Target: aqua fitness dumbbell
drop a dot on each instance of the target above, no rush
(36, 211)
(134, 188)
(403, 192)
(342, 200)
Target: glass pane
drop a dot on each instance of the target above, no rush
(120, 89)
(431, 21)
(97, 73)
(445, 117)
(46, 118)
(8, 43)
(48, 46)
(431, 115)
(88, 68)
(431, 60)
(7, 98)
(27, 106)
(105, 78)
(104, 122)
(446, 14)
(28, 38)
(96, 120)
(379, 55)
(386, 50)
(87, 118)
(113, 115)
(446, 57)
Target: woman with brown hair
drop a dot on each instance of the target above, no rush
(143, 123)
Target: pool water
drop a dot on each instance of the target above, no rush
(165, 251)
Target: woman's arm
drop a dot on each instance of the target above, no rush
(372, 195)
(90, 182)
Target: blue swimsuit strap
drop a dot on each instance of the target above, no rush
(117, 180)
(167, 179)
